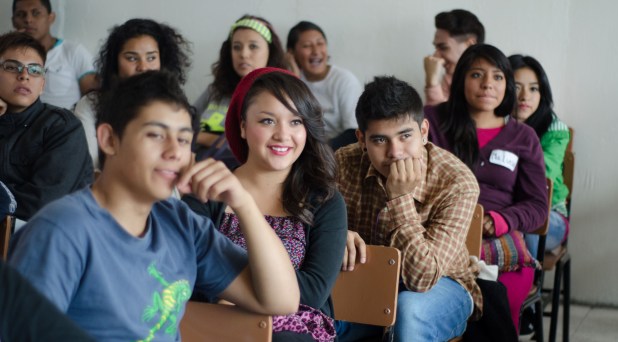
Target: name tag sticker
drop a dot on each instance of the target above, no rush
(504, 158)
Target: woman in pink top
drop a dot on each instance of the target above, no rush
(506, 156)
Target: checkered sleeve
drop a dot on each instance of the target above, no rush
(428, 251)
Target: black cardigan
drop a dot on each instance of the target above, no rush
(326, 240)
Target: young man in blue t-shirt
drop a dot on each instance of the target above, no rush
(121, 258)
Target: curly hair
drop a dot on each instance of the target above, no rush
(174, 50)
(225, 77)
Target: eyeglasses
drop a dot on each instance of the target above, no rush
(15, 67)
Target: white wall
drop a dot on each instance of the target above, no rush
(574, 40)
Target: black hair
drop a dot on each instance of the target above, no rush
(459, 22)
(13, 40)
(541, 119)
(45, 3)
(312, 178)
(123, 103)
(299, 28)
(174, 50)
(456, 122)
(388, 98)
(225, 77)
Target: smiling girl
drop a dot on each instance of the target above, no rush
(252, 43)
(274, 129)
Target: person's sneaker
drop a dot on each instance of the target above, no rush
(526, 332)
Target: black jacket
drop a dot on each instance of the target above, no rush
(43, 156)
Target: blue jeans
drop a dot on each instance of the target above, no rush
(555, 234)
(436, 315)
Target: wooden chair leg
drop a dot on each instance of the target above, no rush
(555, 301)
(566, 298)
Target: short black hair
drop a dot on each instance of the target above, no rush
(16, 39)
(299, 28)
(459, 22)
(45, 3)
(123, 103)
(388, 98)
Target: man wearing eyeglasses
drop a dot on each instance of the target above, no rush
(70, 73)
(43, 149)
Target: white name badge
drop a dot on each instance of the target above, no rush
(504, 158)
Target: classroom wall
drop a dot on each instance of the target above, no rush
(573, 39)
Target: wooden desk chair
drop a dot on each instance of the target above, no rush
(560, 261)
(220, 322)
(475, 233)
(6, 229)
(474, 240)
(369, 293)
(535, 296)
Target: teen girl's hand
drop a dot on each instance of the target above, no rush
(489, 228)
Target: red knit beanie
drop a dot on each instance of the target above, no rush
(237, 144)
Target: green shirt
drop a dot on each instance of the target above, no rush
(554, 143)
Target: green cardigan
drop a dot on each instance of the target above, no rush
(554, 143)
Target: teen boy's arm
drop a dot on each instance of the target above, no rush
(268, 285)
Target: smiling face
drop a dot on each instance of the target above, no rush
(311, 55)
(249, 51)
(485, 85)
(138, 55)
(449, 48)
(387, 141)
(528, 93)
(155, 146)
(275, 135)
(31, 17)
(20, 90)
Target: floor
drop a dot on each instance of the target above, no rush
(587, 324)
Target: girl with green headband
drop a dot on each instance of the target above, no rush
(251, 44)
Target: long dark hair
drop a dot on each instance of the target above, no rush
(456, 122)
(311, 180)
(174, 50)
(543, 116)
(225, 77)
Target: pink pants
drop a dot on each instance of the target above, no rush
(518, 284)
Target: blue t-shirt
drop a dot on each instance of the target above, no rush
(117, 286)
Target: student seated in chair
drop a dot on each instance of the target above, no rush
(405, 192)
(121, 258)
(43, 150)
(69, 64)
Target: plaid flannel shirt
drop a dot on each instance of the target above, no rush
(429, 226)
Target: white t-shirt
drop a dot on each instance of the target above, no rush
(85, 112)
(338, 94)
(66, 64)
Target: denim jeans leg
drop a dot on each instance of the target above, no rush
(555, 234)
(436, 315)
